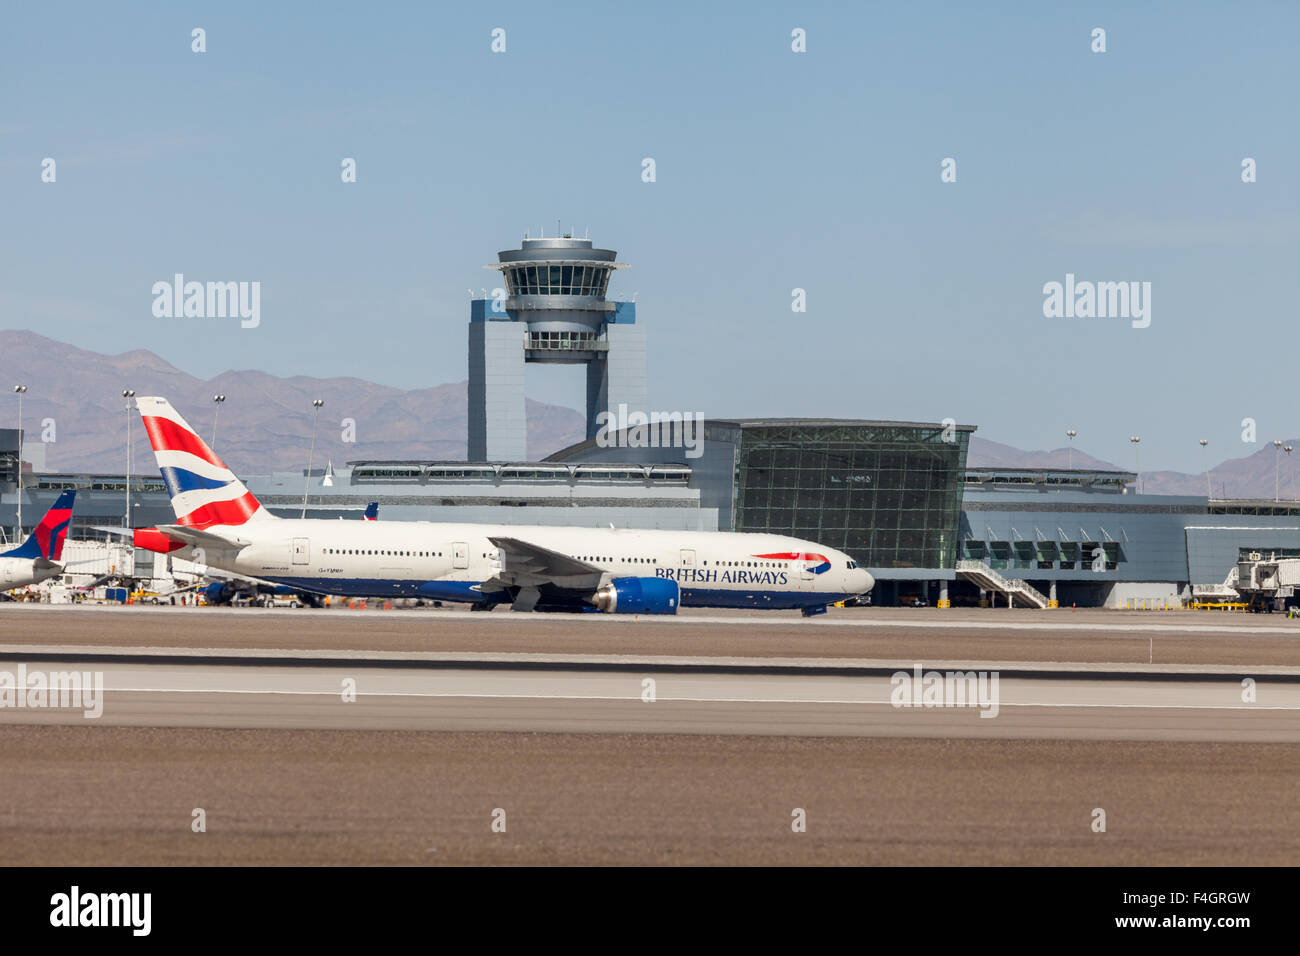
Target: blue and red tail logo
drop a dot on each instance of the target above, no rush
(816, 563)
(46, 541)
(203, 490)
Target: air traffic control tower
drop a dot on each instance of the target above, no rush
(553, 312)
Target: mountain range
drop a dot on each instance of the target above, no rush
(265, 424)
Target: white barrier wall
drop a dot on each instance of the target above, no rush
(1150, 592)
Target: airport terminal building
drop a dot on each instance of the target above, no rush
(898, 497)
(886, 493)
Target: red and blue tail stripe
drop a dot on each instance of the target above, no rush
(46, 540)
(203, 490)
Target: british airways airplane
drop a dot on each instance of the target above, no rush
(529, 568)
(37, 558)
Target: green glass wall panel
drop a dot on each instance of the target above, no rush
(888, 495)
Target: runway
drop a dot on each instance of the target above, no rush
(614, 696)
(1091, 636)
(243, 714)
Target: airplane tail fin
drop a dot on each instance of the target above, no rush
(46, 541)
(372, 511)
(203, 490)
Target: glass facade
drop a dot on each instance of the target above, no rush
(548, 279)
(889, 495)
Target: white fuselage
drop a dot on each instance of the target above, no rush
(451, 561)
(20, 572)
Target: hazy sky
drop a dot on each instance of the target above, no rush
(775, 170)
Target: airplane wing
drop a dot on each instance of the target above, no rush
(184, 534)
(96, 582)
(199, 538)
(523, 557)
(527, 566)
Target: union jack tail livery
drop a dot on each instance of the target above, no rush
(46, 541)
(203, 490)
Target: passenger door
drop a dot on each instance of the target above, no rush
(459, 555)
(301, 551)
(688, 557)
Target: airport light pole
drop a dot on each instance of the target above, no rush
(128, 394)
(1137, 460)
(306, 485)
(217, 400)
(20, 391)
(1277, 469)
(1288, 449)
(1069, 455)
(1208, 493)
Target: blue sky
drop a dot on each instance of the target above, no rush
(775, 170)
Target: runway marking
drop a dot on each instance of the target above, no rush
(338, 656)
(688, 700)
(767, 619)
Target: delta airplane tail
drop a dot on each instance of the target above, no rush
(203, 490)
(46, 540)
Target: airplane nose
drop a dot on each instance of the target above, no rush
(863, 581)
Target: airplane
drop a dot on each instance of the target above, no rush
(529, 568)
(225, 587)
(37, 558)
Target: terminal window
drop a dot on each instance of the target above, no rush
(889, 496)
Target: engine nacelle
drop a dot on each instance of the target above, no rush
(639, 596)
(217, 593)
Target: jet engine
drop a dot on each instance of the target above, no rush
(638, 596)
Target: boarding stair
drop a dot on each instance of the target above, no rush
(1020, 591)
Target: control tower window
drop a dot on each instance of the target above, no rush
(556, 280)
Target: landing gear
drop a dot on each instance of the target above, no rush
(482, 606)
(813, 611)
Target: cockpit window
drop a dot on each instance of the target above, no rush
(852, 565)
